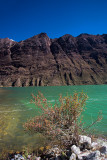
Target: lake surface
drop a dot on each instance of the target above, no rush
(15, 109)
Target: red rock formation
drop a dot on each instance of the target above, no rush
(41, 61)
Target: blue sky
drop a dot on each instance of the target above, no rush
(22, 19)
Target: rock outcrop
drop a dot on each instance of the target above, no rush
(41, 61)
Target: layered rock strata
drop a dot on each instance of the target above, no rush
(41, 61)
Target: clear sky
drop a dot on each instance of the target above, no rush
(22, 19)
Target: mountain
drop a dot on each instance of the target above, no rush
(41, 61)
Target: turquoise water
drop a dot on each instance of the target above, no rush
(15, 109)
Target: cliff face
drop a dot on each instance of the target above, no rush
(41, 61)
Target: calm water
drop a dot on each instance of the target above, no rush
(15, 109)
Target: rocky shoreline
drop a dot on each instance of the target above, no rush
(87, 149)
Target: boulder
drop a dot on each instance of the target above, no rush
(103, 150)
(83, 154)
(29, 156)
(73, 156)
(37, 158)
(94, 156)
(89, 155)
(94, 145)
(83, 139)
(85, 146)
(75, 149)
(19, 157)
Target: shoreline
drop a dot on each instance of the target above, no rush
(88, 148)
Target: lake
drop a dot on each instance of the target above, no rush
(15, 109)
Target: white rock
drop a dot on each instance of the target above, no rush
(102, 155)
(54, 151)
(83, 154)
(89, 155)
(73, 156)
(94, 155)
(97, 153)
(94, 145)
(83, 139)
(21, 158)
(16, 156)
(37, 158)
(75, 149)
(29, 156)
(101, 142)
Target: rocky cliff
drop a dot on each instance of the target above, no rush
(41, 61)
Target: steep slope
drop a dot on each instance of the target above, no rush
(41, 61)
